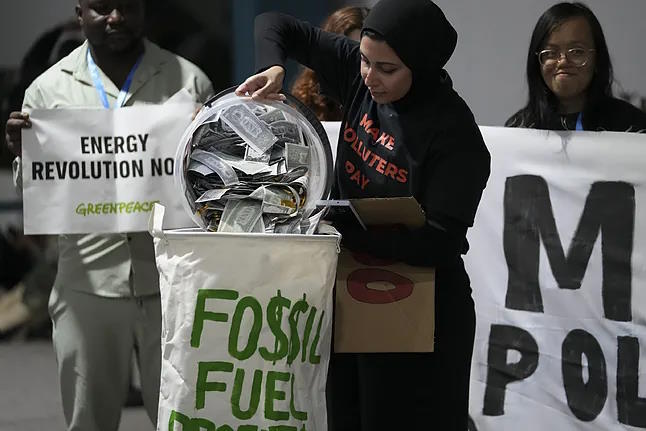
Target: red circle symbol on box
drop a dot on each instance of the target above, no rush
(358, 286)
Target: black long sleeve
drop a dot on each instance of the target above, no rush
(455, 175)
(334, 58)
(426, 246)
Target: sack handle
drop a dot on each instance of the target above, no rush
(156, 221)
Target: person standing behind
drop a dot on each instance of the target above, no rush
(569, 75)
(392, 85)
(307, 88)
(105, 300)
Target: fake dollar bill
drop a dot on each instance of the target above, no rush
(217, 165)
(249, 127)
(296, 155)
(240, 216)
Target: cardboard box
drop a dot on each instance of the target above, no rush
(384, 306)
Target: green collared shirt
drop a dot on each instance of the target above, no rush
(113, 265)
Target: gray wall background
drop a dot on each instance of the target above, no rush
(489, 63)
(487, 67)
(22, 21)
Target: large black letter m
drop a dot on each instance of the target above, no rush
(609, 209)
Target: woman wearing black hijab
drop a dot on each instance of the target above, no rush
(417, 138)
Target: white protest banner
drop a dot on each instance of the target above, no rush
(246, 329)
(557, 266)
(101, 170)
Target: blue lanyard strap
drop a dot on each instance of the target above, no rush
(94, 72)
(579, 121)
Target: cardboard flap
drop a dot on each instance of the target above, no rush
(387, 211)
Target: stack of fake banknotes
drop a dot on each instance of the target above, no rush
(248, 171)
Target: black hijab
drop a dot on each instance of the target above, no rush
(419, 33)
(424, 40)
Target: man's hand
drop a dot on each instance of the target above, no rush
(16, 122)
(265, 85)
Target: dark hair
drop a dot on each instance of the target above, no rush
(306, 86)
(542, 102)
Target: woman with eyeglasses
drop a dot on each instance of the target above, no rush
(569, 75)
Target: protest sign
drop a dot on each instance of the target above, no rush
(101, 170)
(557, 270)
(246, 329)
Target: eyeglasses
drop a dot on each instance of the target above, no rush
(579, 57)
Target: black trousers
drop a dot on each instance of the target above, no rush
(410, 391)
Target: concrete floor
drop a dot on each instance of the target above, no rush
(29, 393)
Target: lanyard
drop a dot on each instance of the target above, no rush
(94, 71)
(579, 121)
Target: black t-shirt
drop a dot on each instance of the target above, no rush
(427, 145)
(609, 114)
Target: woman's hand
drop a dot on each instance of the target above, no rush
(264, 85)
